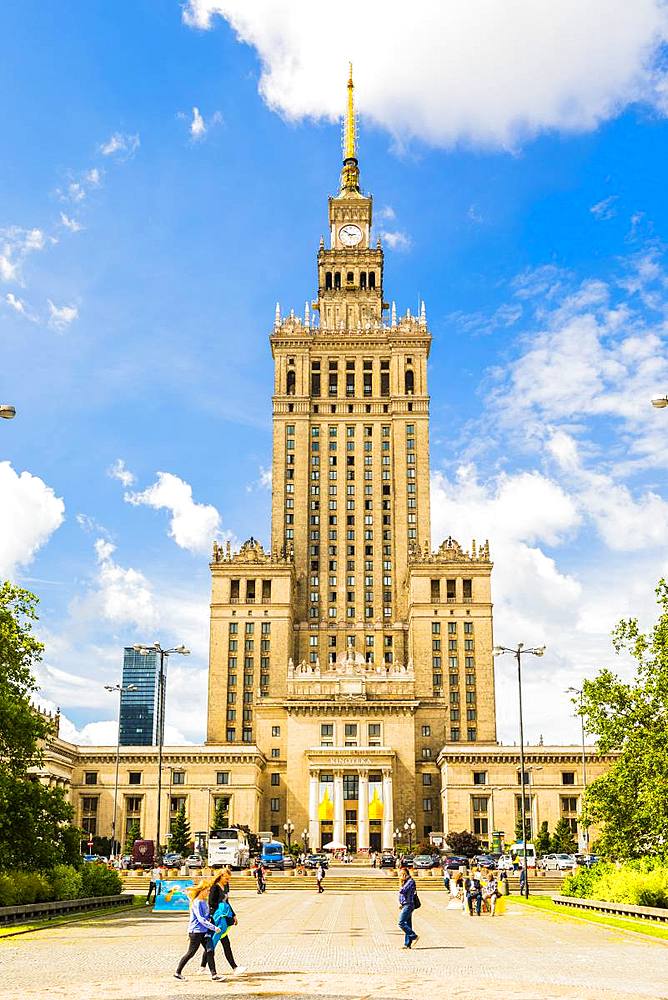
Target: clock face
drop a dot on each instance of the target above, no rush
(350, 235)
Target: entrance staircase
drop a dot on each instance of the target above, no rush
(353, 878)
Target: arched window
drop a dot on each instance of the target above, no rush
(362, 279)
(350, 277)
(410, 381)
(337, 279)
(291, 382)
(372, 279)
(328, 280)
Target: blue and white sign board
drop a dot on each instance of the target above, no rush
(172, 896)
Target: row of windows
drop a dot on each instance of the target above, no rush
(481, 777)
(253, 590)
(452, 628)
(451, 590)
(333, 279)
(351, 734)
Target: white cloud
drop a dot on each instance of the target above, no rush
(386, 213)
(197, 126)
(121, 595)
(60, 317)
(18, 305)
(192, 525)
(30, 512)
(71, 224)
(604, 210)
(122, 144)
(93, 176)
(396, 239)
(16, 243)
(263, 482)
(487, 74)
(120, 471)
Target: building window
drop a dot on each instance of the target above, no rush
(519, 777)
(275, 805)
(90, 777)
(178, 777)
(327, 734)
(133, 804)
(480, 777)
(275, 751)
(467, 589)
(426, 730)
(426, 805)
(176, 803)
(426, 779)
(569, 804)
(426, 753)
(568, 777)
(275, 779)
(351, 815)
(275, 730)
(350, 786)
(480, 826)
(222, 777)
(134, 777)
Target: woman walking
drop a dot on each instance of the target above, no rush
(219, 890)
(225, 917)
(407, 902)
(199, 927)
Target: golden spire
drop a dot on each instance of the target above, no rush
(350, 175)
(349, 152)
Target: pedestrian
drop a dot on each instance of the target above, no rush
(474, 894)
(373, 859)
(523, 879)
(504, 889)
(492, 893)
(219, 890)
(258, 872)
(154, 881)
(408, 901)
(199, 926)
(446, 878)
(319, 876)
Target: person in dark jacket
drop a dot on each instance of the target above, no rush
(218, 893)
(407, 891)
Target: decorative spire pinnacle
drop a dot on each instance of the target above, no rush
(423, 314)
(350, 174)
(394, 313)
(277, 316)
(307, 316)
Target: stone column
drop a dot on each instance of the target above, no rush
(338, 807)
(363, 811)
(313, 821)
(388, 811)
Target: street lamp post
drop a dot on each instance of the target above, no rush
(144, 650)
(7, 411)
(120, 689)
(289, 830)
(518, 653)
(409, 827)
(580, 694)
(305, 840)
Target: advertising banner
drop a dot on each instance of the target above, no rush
(172, 896)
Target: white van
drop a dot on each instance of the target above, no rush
(517, 853)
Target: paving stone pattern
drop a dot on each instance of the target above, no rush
(339, 945)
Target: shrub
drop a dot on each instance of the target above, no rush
(65, 882)
(637, 883)
(31, 887)
(96, 880)
(7, 891)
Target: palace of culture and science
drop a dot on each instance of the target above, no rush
(351, 678)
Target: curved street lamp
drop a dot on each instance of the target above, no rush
(518, 653)
(7, 411)
(660, 402)
(409, 827)
(120, 689)
(144, 650)
(289, 828)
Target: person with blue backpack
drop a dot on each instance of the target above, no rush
(224, 917)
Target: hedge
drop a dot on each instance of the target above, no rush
(638, 883)
(62, 882)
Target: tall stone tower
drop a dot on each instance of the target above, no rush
(349, 652)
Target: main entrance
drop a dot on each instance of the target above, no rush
(351, 841)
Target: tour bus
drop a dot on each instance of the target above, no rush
(228, 847)
(517, 854)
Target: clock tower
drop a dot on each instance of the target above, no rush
(350, 272)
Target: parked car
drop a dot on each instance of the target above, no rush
(559, 862)
(172, 860)
(93, 859)
(388, 860)
(455, 861)
(505, 863)
(423, 861)
(194, 861)
(485, 861)
(288, 861)
(406, 861)
(589, 860)
(313, 860)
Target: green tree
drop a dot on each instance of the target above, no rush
(563, 840)
(180, 830)
(35, 830)
(518, 828)
(630, 720)
(132, 835)
(221, 818)
(543, 842)
(464, 843)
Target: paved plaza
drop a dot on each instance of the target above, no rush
(346, 944)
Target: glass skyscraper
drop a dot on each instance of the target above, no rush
(139, 709)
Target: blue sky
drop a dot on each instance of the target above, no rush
(143, 247)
